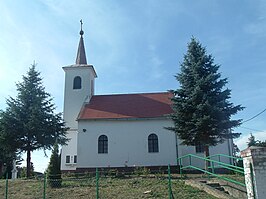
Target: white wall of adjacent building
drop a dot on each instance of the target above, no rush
(224, 148)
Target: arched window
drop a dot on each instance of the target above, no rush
(77, 82)
(103, 144)
(153, 146)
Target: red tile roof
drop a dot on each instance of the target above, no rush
(140, 105)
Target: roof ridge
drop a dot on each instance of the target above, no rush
(163, 92)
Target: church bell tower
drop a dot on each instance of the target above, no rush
(79, 88)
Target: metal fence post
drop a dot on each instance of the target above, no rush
(44, 186)
(180, 167)
(6, 185)
(212, 167)
(169, 183)
(97, 184)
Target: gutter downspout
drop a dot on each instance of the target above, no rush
(176, 147)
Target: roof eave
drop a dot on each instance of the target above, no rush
(81, 66)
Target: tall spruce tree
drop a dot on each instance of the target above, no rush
(202, 111)
(29, 122)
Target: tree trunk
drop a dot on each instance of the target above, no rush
(28, 163)
(207, 154)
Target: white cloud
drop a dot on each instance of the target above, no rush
(257, 27)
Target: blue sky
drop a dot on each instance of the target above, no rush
(136, 46)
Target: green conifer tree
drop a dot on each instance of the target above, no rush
(53, 171)
(202, 111)
(29, 122)
(252, 141)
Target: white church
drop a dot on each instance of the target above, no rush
(121, 130)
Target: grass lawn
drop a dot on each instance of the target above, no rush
(134, 187)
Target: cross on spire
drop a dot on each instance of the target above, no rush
(81, 55)
(81, 31)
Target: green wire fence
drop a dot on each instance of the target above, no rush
(96, 184)
(100, 183)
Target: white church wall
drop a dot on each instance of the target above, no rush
(73, 101)
(74, 98)
(69, 150)
(127, 143)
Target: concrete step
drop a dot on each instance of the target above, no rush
(220, 189)
(214, 189)
(216, 186)
(213, 184)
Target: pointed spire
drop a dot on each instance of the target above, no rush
(81, 55)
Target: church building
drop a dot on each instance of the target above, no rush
(119, 130)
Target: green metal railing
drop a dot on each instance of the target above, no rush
(224, 155)
(219, 156)
(219, 164)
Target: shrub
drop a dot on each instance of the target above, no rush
(53, 171)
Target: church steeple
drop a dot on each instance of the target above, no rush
(81, 55)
